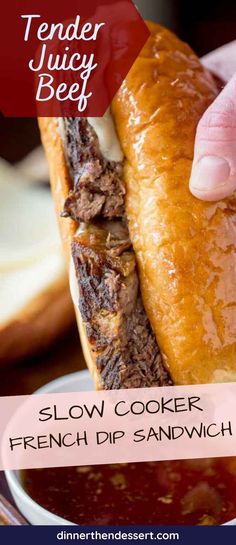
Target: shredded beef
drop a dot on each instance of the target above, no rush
(98, 189)
(118, 330)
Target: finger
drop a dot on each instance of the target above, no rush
(214, 167)
(222, 61)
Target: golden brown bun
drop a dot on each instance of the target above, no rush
(38, 324)
(60, 184)
(185, 248)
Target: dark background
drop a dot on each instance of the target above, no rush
(204, 25)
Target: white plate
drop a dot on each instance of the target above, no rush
(33, 512)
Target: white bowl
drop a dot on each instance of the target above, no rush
(33, 512)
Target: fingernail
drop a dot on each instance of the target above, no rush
(209, 173)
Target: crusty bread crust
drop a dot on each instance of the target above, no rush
(59, 177)
(38, 324)
(186, 249)
(60, 184)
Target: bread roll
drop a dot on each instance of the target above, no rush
(60, 184)
(36, 306)
(185, 248)
(35, 327)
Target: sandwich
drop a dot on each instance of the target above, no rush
(152, 268)
(36, 306)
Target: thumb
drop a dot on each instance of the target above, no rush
(213, 174)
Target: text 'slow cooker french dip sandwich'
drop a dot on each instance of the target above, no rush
(152, 268)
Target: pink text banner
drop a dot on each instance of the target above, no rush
(149, 424)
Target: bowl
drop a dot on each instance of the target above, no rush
(32, 511)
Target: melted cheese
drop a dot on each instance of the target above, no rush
(108, 140)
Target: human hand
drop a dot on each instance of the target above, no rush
(213, 174)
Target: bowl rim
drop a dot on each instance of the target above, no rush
(17, 489)
(13, 476)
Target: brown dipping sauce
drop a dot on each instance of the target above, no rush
(197, 492)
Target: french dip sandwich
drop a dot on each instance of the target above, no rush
(152, 268)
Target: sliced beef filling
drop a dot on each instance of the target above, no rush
(117, 327)
(118, 330)
(98, 189)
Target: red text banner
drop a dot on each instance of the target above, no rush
(66, 58)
